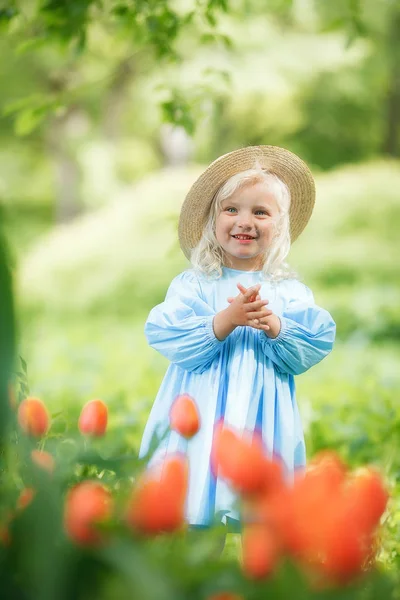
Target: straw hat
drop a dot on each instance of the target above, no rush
(286, 165)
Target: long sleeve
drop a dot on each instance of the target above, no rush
(306, 336)
(181, 327)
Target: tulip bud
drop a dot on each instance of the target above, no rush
(158, 499)
(184, 416)
(87, 504)
(93, 418)
(33, 417)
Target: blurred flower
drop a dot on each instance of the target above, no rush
(43, 459)
(261, 551)
(33, 417)
(327, 519)
(158, 499)
(87, 505)
(366, 497)
(241, 461)
(5, 536)
(184, 416)
(93, 418)
(25, 498)
(301, 511)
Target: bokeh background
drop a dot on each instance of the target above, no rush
(109, 113)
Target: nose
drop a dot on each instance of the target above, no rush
(244, 222)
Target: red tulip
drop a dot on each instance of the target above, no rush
(93, 418)
(33, 417)
(87, 505)
(158, 498)
(43, 459)
(184, 416)
(25, 498)
(242, 462)
(5, 536)
(367, 497)
(260, 551)
(344, 551)
(327, 519)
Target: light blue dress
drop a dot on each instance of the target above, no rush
(248, 378)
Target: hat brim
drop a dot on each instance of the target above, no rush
(287, 166)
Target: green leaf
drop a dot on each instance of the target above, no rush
(210, 18)
(218, 5)
(31, 44)
(28, 120)
(25, 102)
(207, 38)
(23, 365)
(333, 25)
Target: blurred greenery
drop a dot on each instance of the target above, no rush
(7, 339)
(109, 113)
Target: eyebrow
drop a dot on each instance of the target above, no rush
(233, 203)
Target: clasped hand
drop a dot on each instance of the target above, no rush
(247, 309)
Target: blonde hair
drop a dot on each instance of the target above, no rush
(208, 257)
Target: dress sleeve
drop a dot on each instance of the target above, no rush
(181, 327)
(306, 336)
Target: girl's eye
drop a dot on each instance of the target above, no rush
(264, 212)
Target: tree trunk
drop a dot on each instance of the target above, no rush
(67, 174)
(115, 100)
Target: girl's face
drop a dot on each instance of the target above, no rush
(252, 211)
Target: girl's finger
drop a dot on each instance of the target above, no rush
(257, 303)
(259, 325)
(252, 290)
(258, 314)
(263, 324)
(255, 298)
(255, 306)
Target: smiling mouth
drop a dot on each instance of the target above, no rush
(243, 237)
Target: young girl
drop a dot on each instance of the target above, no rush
(236, 353)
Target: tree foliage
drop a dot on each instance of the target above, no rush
(151, 22)
(145, 28)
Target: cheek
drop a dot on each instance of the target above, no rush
(271, 225)
(221, 224)
(269, 230)
(218, 230)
